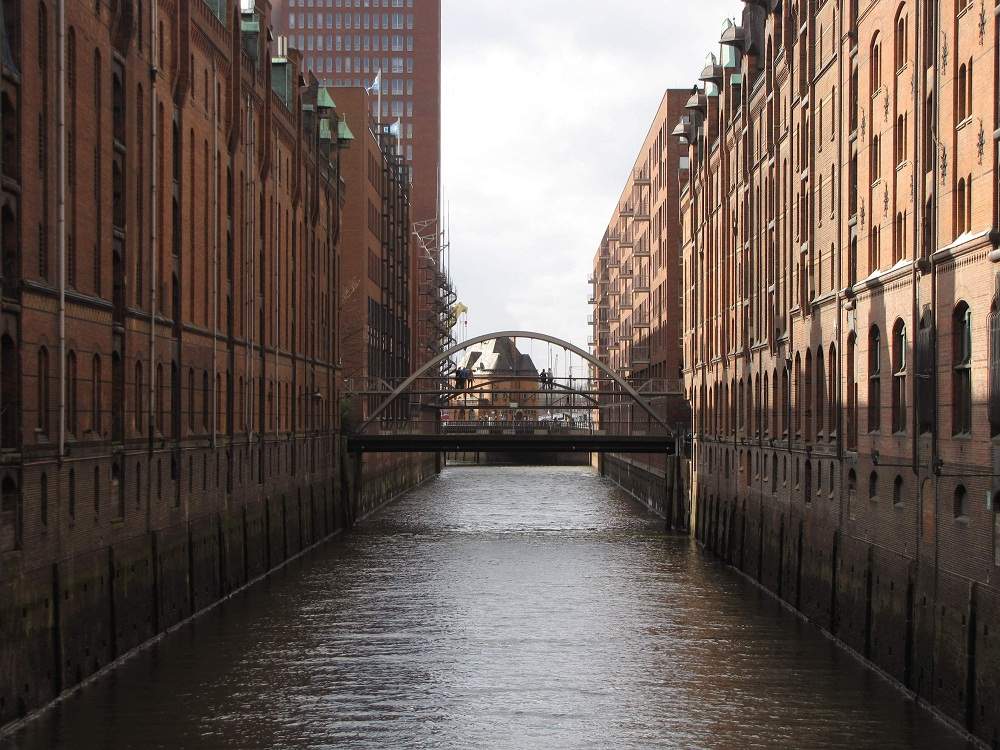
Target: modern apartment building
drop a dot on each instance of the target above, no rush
(841, 331)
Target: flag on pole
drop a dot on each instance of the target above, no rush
(376, 86)
(396, 128)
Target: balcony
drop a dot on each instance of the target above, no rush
(641, 248)
(641, 176)
(590, 319)
(640, 355)
(625, 272)
(628, 210)
(642, 211)
(614, 261)
(640, 283)
(640, 319)
(625, 303)
(591, 299)
(627, 240)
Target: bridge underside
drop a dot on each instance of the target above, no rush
(589, 443)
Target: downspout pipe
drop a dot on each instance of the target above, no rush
(215, 254)
(61, 220)
(154, 218)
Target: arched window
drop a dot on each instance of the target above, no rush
(899, 364)
(960, 507)
(962, 370)
(852, 262)
(875, 73)
(874, 249)
(137, 396)
(765, 417)
(191, 399)
(897, 491)
(218, 403)
(10, 406)
(11, 523)
(798, 395)
(785, 400)
(873, 486)
(874, 380)
(95, 395)
(97, 492)
(10, 145)
(962, 94)
(205, 399)
(926, 398)
(901, 41)
(43, 391)
(71, 393)
(807, 388)
(11, 260)
(820, 378)
(161, 402)
(876, 158)
(898, 239)
(959, 207)
(175, 400)
(833, 422)
(900, 139)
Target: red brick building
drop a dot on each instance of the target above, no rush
(636, 281)
(346, 44)
(841, 338)
(376, 313)
(169, 356)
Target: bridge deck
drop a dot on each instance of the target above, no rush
(454, 443)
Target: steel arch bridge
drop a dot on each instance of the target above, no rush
(426, 389)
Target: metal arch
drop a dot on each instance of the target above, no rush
(633, 394)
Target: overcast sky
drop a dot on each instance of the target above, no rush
(545, 104)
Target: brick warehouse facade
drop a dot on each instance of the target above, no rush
(170, 312)
(841, 327)
(636, 287)
(376, 326)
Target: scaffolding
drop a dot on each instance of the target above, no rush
(436, 294)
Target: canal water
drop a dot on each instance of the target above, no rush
(495, 608)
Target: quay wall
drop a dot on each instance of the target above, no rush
(63, 622)
(931, 631)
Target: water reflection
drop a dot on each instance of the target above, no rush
(495, 608)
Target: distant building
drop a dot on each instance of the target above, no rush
(504, 383)
(375, 301)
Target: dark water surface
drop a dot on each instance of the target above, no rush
(495, 608)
